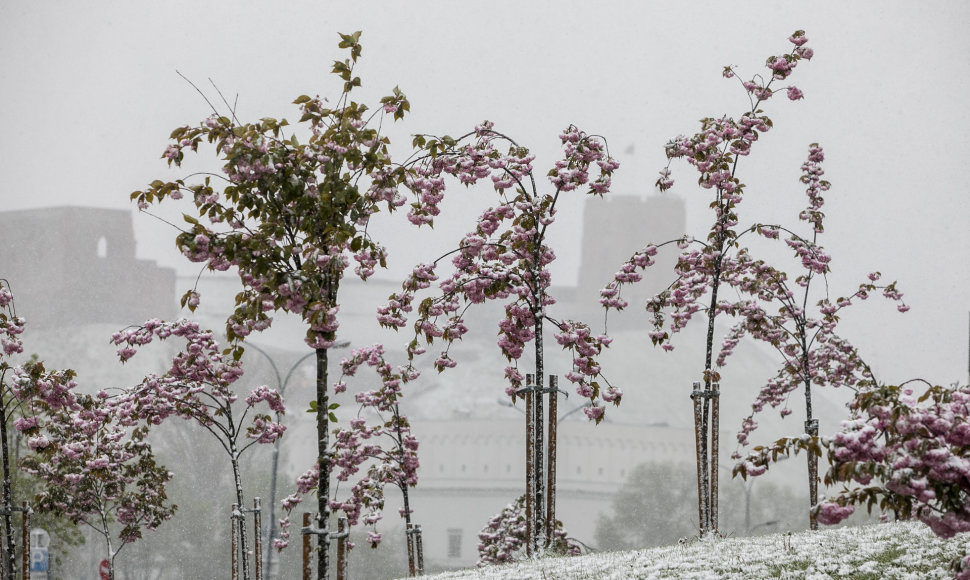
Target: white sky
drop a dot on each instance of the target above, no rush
(89, 95)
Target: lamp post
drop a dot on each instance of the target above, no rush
(281, 384)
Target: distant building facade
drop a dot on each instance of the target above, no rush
(77, 265)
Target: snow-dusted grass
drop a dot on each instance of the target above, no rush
(895, 550)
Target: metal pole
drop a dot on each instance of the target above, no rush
(235, 546)
(341, 548)
(409, 534)
(551, 469)
(419, 545)
(715, 436)
(25, 525)
(696, 398)
(306, 547)
(529, 464)
(257, 548)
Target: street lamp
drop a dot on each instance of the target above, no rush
(559, 420)
(281, 384)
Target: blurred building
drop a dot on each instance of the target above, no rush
(472, 443)
(77, 265)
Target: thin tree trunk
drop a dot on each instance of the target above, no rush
(272, 507)
(707, 524)
(10, 555)
(715, 437)
(539, 509)
(107, 539)
(323, 462)
(811, 429)
(237, 480)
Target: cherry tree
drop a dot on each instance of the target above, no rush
(385, 447)
(11, 327)
(812, 353)
(506, 257)
(904, 449)
(15, 397)
(95, 470)
(27, 390)
(286, 213)
(199, 387)
(715, 152)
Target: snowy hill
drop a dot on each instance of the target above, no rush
(883, 551)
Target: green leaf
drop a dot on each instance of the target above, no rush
(313, 407)
(190, 219)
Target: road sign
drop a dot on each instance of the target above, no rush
(39, 560)
(105, 570)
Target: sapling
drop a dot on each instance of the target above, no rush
(386, 448)
(812, 353)
(704, 266)
(286, 213)
(96, 471)
(505, 258)
(21, 387)
(199, 387)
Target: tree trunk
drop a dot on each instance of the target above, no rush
(9, 548)
(241, 521)
(323, 462)
(107, 540)
(707, 523)
(268, 566)
(539, 505)
(811, 429)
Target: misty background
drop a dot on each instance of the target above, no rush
(90, 94)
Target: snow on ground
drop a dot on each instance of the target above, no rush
(895, 550)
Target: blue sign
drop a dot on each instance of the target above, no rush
(38, 560)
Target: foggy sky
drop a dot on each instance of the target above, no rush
(90, 94)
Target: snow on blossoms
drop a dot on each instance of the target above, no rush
(505, 257)
(197, 386)
(379, 438)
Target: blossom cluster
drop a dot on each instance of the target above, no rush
(93, 468)
(387, 448)
(11, 326)
(503, 539)
(903, 451)
(313, 199)
(92, 465)
(714, 152)
(505, 257)
(198, 385)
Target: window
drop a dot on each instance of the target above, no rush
(102, 247)
(454, 542)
